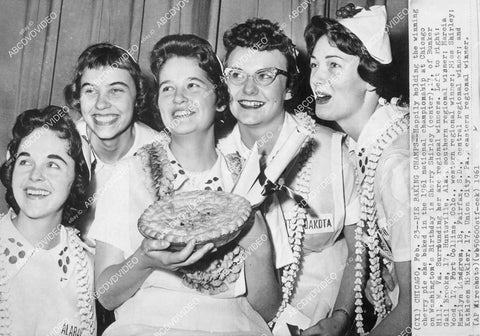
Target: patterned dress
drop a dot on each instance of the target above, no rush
(46, 292)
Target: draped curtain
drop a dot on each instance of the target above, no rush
(41, 39)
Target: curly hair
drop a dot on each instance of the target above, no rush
(252, 34)
(192, 46)
(107, 55)
(56, 119)
(381, 76)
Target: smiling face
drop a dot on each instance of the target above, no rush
(107, 100)
(186, 97)
(339, 90)
(251, 104)
(43, 175)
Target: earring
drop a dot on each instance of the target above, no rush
(221, 119)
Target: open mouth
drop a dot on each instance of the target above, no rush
(322, 97)
(105, 119)
(36, 193)
(182, 114)
(251, 104)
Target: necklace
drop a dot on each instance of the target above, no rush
(212, 274)
(84, 288)
(4, 296)
(297, 225)
(367, 230)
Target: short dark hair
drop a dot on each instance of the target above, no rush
(108, 55)
(379, 75)
(253, 32)
(192, 46)
(56, 119)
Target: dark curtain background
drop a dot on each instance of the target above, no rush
(36, 75)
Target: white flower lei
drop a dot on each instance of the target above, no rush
(299, 221)
(368, 225)
(5, 321)
(85, 299)
(210, 276)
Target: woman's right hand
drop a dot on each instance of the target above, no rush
(152, 254)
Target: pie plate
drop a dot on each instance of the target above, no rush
(207, 216)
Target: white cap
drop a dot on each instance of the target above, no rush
(369, 27)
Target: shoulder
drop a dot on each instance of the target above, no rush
(227, 144)
(147, 135)
(234, 163)
(153, 167)
(76, 243)
(393, 177)
(3, 225)
(328, 142)
(322, 136)
(81, 126)
(149, 153)
(400, 147)
(398, 151)
(393, 110)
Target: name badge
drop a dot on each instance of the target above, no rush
(70, 330)
(323, 223)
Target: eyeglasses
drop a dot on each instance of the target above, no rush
(262, 77)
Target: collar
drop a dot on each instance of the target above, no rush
(18, 250)
(211, 179)
(95, 162)
(379, 122)
(238, 144)
(289, 123)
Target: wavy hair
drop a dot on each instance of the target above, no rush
(192, 46)
(55, 119)
(379, 75)
(107, 55)
(253, 32)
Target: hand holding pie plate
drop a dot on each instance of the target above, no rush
(159, 257)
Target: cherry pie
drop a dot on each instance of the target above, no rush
(207, 216)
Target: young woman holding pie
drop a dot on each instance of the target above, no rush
(207, 290)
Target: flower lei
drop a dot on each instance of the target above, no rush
(367, 228)
(85, 300)
(296, 227)
(212, 274)
(5, 321)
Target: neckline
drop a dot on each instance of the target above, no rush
(99, 163)
(37, 247)
(288, 122)
(383, 117)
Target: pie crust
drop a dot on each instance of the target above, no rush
(208, 216)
